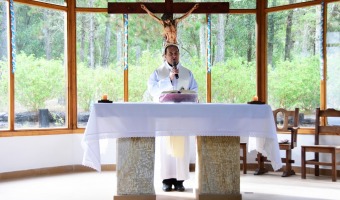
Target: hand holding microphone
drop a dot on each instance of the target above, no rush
(174, 65)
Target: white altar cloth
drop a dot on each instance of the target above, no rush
(118, 120)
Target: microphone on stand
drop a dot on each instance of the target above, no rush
(174, 64)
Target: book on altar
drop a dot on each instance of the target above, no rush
(176, 144)
(178, 96)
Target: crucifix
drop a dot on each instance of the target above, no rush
(168, 8)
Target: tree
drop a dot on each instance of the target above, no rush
(289, 41)
(107, 42)
(270, 38)
(250, 38)
(3, 31)
(220, 40)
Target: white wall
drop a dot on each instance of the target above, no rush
(34, 152)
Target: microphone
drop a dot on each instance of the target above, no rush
(174, 64)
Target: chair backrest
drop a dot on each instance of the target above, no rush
(287, 121)
(322, 126)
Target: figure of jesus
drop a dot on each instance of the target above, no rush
(169, 24)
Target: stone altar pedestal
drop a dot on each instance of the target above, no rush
(135, 169)
(218, 168)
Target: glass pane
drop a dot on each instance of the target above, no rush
(40, 78)
(191, 38)
(333, 56)
(145, 54)
(233, 4)
(91, 3)
(234, 68)
(58, 2)
(149, 1)
(293, 61)
(99, 61)
(3, 67)
(273, 3)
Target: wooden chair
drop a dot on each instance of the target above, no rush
(333, 150)
(286, 127)
(243, 147)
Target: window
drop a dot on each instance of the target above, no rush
(99, 61)
(333, 56)
(234, 68)
(40, 74)
(42, 40)
(92, 4)
(273, 3)
(58, 2)
(3, 66)
(192, 42)
(293, 61)
(144, 54)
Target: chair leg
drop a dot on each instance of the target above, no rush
(288, 169)
(244, 160)
(334, 166)
(260, 164)
(316, 167)
(303, 163)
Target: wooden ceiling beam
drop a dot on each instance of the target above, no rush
(135, 8)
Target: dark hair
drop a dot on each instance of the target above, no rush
(170, 45)
(166, 16)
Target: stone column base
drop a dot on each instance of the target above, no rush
(219, 197)
(135, 197)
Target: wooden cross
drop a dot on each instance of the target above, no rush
(168, 7)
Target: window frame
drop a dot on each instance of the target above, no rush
(70, 9)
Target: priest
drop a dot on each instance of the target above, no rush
(172, 152)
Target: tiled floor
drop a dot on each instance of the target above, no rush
(100, 186)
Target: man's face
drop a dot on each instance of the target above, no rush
(172, 54)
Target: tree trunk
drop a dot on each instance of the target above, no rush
(119, 46)
(289, 41)
(203, 49)
(91, 42)
(318, 28)
(47, 36)
(82, 37)
(271, 35)
(3, 51)
(91, 38)
(219, 57)
(107, 43)
(249, 39)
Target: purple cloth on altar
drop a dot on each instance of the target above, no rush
(178, 97)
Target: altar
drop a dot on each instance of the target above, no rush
(218, 128)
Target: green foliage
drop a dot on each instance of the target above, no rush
(38, 80)
(139, 75)
(198, 68)
(39, 29)
(3, 85)
(233, 81)
(85, 86)
(93, 83)
(295, 84)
